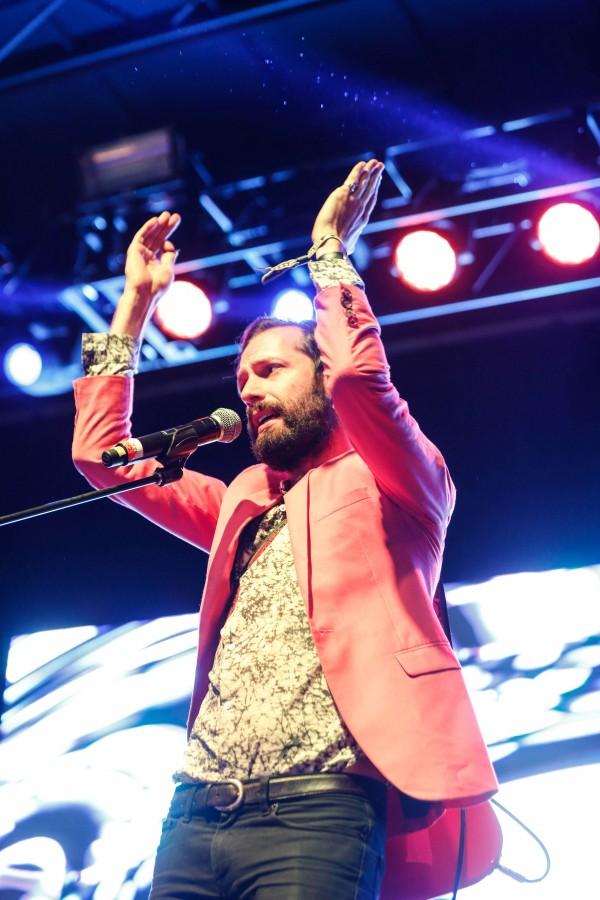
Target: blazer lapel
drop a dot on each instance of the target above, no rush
(297, 509)
(217, 587)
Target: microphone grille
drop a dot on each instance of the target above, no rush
(230, 423)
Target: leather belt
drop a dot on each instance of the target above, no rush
(231, 793)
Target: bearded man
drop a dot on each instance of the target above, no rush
(328, 710)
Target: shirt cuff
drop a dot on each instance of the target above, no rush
(109, 354)
(331, 272)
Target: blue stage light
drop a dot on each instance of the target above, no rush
(293, 305)
(22, 365)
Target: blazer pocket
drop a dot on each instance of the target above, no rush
(348, 499)
(427, 658)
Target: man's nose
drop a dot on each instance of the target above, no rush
(252, 392)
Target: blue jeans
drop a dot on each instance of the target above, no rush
(326, 846)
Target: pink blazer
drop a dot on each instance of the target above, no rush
(367, 528)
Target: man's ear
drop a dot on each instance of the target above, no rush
(325, 381)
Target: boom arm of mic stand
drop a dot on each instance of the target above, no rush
(169, 472)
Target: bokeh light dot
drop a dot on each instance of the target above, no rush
(568, 233)
(425, 260)
(184, 312)
(23, 365)
(293, 306)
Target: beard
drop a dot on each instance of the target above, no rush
(303, 430)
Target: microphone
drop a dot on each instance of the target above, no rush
(222, 425)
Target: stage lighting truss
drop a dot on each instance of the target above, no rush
(486, 189)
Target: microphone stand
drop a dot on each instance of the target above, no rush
(170, 470)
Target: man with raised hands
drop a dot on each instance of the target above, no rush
(329, 719)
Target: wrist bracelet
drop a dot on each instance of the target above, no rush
(274, 271)
(333, 254)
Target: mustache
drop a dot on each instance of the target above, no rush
(251, 411)
(275, 408)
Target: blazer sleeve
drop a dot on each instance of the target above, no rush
(405, 464)
(188, 508)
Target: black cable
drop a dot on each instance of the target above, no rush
(461, 851)
(510, 872)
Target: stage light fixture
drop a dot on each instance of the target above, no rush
(293, 306)
(425, 260)
(135, 161)
(184, 312)
(23, 365)
(568, 233)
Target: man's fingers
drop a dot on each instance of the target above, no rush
(361, 180)
(371, 175)
(365, 177)
(371, 188)
(164, 230)
(373, 198)
(146, 228)
(169, 225)
(354, 174)
(156, 235)
(169, 253)
(147, 234)
(153, 233)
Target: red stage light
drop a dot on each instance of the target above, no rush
(425, 260)
(568, 233)
(184, 312)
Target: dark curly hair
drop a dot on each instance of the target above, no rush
(308, 343)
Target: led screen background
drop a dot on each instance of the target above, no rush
(94, 725)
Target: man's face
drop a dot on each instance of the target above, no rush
(289, 416)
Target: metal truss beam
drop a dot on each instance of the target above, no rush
(233, 205)
(158, 352)
(181, 353)
(241, 208)
(165, 37)
(28, 29)
(410, 220)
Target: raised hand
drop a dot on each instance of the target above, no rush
(348, 208)
(149, 271)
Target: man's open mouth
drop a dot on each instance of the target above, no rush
(266, 421)
(261, 418)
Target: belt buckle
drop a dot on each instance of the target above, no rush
(237, 802)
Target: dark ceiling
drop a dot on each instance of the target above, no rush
(257, 87)
(254, 87)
